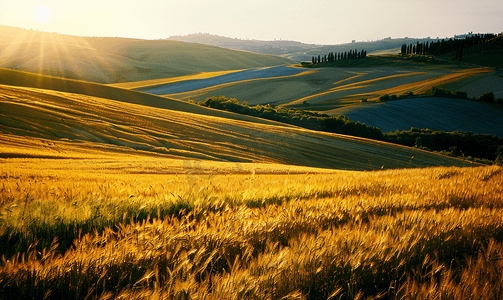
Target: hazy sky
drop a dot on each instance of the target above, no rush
(308, 21)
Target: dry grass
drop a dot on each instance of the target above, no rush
(66, 125)
(329, 88)
(423, 86)
(397, 234)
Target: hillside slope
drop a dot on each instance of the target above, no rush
(433, 113)
(329, 88)
(67, 125)
(112, 60)
(24, 79)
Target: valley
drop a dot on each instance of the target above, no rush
(116, 184)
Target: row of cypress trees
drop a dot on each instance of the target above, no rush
(473, 43)
(335, 56)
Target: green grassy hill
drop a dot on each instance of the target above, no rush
(112, 60)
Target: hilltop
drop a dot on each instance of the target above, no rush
(113, 60)
(276, 47)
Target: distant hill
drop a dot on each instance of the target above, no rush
(113, 60)
(304, 52)
(296, 50)
(276, 47)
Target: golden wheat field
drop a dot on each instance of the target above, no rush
(249, 231)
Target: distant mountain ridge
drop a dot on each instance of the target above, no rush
(238, 44)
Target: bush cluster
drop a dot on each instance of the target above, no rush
(444, 93)
(301, 118)
(387, 97)
(458, 144)
(440, 92)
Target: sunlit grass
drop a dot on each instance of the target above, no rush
(423, 86)
(249, 235)
(355, 85)
(156, 82)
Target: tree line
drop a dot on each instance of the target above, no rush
(458, 143)
(470, 44)
(335, 56)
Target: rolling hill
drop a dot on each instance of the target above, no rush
(112, 60)
(329, 88)
(438, 114)
(53, 124)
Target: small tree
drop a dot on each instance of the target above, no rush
(487, 97)
(499, 156)
(385, 97)
(404, 49)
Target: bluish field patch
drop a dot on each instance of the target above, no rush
(442, 114)
(196, 84)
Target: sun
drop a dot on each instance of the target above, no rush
(42, 13)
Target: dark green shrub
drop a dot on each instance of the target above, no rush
(440, 92)
(487, 97)
(384, 97)
(499, 155)
(407, 95)
(461, 95)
